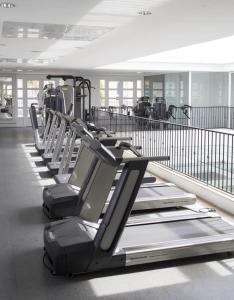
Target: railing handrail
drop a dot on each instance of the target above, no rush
(169, 123)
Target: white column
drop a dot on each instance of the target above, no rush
(229, 97)
(189, 93)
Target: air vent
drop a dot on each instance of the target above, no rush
(53, 31)
(144, 12)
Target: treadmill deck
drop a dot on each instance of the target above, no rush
(177, 239)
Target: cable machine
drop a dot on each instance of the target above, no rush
(80, 85)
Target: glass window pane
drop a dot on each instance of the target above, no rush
(102, 93)
(113, 93)
(128, 102)
(102, 84)
(157, 93)
(9, 92)
(102, 102)
(127, 93)
(20, 93)
(61, 82)
(113, 102)
(139, 93)
(31, 101)
(19, 83)
(147, 84)
(20, 102)
(32, 93)
(113, 84)
(20, 112)
(33, 84)
(128, 84)
(46, 82)
(139, 84)
(157, 85)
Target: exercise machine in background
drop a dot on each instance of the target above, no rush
(158, 109)
(77, 92)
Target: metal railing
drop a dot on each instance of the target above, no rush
(203, 154)
(210, 117)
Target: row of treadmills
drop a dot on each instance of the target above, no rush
(107, 211)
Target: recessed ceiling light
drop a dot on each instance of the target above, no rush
(144, 12)
(7, 5)
(19, 70)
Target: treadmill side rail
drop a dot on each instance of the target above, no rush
(179, 249)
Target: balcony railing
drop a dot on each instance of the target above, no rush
(210, 117)
(206, 155)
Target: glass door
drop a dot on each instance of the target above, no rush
(6, 99)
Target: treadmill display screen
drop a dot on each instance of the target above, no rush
(82, 166)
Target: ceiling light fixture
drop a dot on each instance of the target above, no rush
(144, 12)
(19, 70)
(7, 5)
(36, 51)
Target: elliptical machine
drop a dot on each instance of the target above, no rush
(143, 107)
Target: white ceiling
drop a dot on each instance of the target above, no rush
(118, 32)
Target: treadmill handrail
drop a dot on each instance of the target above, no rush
(143, 158)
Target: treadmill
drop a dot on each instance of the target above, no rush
(53, 152)
(67, 155)
(62, 169)
(88, 243)
(40, 142)
(66, 167)
(60, 200)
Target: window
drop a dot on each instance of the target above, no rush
(20, 93)
(102, 92)
(46, 82)
(31, 101)
(139, 93)
(19, 83)
(113, 102)
(113, 94)
(128, 85)
(20, 102)
(113, 84)
(102, 84)
(119, 92)
(33, 84)
(20, 113)
(128, 93)
(32, 93)
(157, 89)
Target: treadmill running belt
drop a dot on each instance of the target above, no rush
(134, 236)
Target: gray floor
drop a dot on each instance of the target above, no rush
(22, 275)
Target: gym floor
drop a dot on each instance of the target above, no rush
(23, 276)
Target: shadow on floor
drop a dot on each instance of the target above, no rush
(45, 174)
(39, 163)
(32, 215)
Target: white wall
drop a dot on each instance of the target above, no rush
(209, 89)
